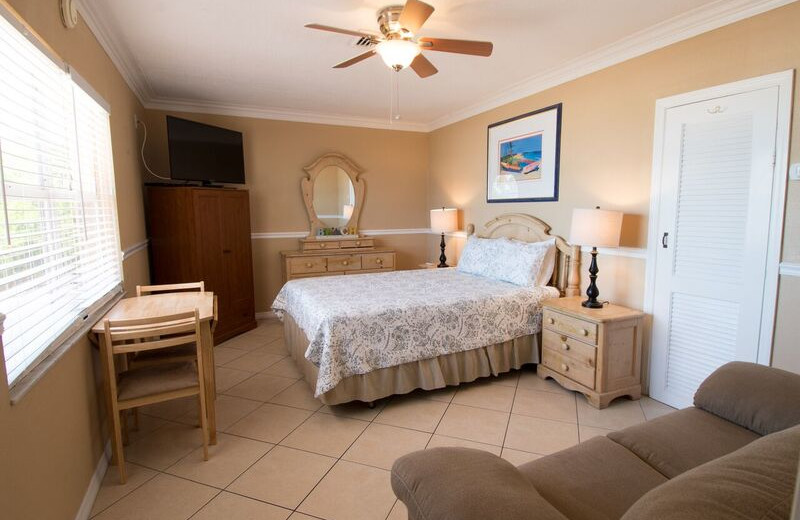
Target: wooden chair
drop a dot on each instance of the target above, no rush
(155, 383)
(143, 290)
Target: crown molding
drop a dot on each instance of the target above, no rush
(687, 25)
(692, 23)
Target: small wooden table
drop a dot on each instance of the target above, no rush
(155, 305)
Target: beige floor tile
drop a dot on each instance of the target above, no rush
(147, 425)
(248, 342)
(165, 446)
(528, 380)
(325, 434)
(415, 413)
(587, 432)
(283, 476)
(489, 395)
(351, 491)
(275, 346)
(356, 409)
(399, 512)
(163, 497)
(444, 395)
(268, 328)
(298, 395)
(474, 424)
(228, 506)
(261, 387)
(223, 355)
(546, 405)
(517, 457)
(541, 436)
(172, 409)
(301, 516)
(228, 459)
(270, 423)
(380, 445)
(653, 408)
(228, 377)
(229, 410)
(111, 490)
(254, 361)
(286, 367)
(508, 378)
(621, 413)
(441, 441)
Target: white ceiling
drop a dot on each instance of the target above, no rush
(254, 57)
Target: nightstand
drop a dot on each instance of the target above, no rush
(597, 352)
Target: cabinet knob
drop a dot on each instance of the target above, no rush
(565, 346)
(358, 243)
(323, 246)
(309, 264)
(550, 321)
(345, 262)
(379, 260)
(564, 367)
(584, 332)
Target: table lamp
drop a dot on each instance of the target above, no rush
(598, 228)
(444, 221)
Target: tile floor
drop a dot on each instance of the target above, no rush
(283, 455)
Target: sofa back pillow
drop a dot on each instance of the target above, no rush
(522, 263)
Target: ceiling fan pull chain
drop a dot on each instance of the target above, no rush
(394, 97)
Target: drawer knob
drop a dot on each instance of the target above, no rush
(358, 243)
(564, 367)
(379, 260)
(565, 346)
(309, 264)
(550, 321)
(345, 262)
(584, 332)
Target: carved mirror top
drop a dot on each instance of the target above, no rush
(333, 194)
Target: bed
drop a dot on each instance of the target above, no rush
(369, 336)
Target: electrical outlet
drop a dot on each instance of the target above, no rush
(794, 172)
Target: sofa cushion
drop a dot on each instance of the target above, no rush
(682, 440)
(595, 480)
(762, 399)
(756, 481)
(466, 484)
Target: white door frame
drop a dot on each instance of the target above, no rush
(785, 82)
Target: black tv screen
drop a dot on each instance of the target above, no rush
(199, 152)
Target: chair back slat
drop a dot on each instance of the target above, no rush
(138, 335)
(154, 344)
(142, 290)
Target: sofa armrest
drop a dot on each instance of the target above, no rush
(759, 398)
(466, 484)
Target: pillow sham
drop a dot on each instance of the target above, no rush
(513, 261)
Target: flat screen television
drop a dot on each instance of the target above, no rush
(206, 153)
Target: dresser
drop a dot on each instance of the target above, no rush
(597, 352)
(336, 256)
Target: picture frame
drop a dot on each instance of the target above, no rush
(523, 157)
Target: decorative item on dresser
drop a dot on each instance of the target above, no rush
(204, 234)
(600, 228)
(443, 221)
(597, 352)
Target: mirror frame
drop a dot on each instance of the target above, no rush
(313, 170)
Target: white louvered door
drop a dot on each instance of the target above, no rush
(716, 192)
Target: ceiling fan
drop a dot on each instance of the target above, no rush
(396, 44)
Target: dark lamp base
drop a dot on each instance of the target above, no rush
(592, 304)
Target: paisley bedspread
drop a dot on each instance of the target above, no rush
(359, 323)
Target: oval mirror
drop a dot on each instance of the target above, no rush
(334, 196)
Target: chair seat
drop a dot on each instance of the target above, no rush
(156, 379)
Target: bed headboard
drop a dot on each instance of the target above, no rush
(566, 275)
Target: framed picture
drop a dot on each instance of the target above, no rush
(523, 157)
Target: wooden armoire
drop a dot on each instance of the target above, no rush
(204, 234)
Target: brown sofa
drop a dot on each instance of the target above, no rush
(734, 455)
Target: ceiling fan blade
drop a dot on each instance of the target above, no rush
(458, 46)
(414, 15)
(423, 67)
(340, 31)
(353, 61)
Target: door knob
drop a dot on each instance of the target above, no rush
(664, 241)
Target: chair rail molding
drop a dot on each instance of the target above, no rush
(790, 269)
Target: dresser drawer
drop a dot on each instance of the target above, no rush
(344, 263)
(320, 245)
(573, 369)
(378, 260)
(569, 326)
(566, 346)
(361, 242)
(309, 264)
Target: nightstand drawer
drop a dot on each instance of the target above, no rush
(569, 347)
(378, 260)
(344, 263)
(569, 326)
(569, 367)
(361, 242)
(307, 265)
(320, 245)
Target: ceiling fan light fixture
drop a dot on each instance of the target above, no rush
(397, 54)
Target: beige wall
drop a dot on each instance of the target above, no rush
(51, 441)
(607, 142)
(395, 168)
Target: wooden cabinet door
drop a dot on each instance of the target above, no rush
(209, 248)
(237, 257)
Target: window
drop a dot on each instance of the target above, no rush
(59, 241)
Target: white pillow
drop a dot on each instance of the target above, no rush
(478, 256)
(520, 263)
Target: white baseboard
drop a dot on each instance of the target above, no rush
(269, 315)
(94, 484)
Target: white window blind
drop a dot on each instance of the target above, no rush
(59, 241)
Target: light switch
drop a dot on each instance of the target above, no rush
(794, 172)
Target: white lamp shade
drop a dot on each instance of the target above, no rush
(595, 227)
(397, 54)
(444, 220)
